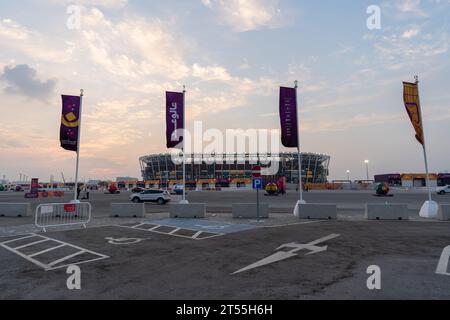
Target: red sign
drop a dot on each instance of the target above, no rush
(30, 195)
(256, 172)
(34, 185)
(34, 189)
(69, 208)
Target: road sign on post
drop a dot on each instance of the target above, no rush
(257, 185)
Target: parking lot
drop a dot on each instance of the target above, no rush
(221, 258)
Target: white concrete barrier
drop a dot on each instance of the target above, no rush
(190, 210)
(318, 211)
(127, 210)
(249, 210)
(381, 211)
(444, 212)
(15, 209)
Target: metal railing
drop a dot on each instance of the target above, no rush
(62, 214)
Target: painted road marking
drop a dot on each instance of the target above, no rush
(17, 239)
(53, 265)
(204, 225)
(294, 224)
(46, 250)
(30, 244)
(174, 230)
(121, 241)
(443, 262)
(283, 255)
(154, 229)
(197, 234)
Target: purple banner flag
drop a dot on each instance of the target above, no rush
(70, 120)
(288, 117)
(174, 118)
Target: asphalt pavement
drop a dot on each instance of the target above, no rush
(164, 266)
(222, 258)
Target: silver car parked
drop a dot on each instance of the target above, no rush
(153, 195)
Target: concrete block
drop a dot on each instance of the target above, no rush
(444, 212)
(127, 210)
(248, 210)
(381, 211)
(15, 209)
(319, 211)
(191, 210)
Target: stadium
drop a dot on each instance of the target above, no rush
(159, 169)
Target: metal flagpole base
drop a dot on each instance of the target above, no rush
(429, 210)
(184, 202)
(296, 209)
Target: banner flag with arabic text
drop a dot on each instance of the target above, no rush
(288, 117)
(174, 118)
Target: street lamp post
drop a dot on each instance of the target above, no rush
(348, 175)
(367, 169)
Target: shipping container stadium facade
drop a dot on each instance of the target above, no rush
(237, 167)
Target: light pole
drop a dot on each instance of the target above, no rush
(367, 169)
(348, 175)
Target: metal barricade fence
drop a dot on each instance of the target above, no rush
(62, 214)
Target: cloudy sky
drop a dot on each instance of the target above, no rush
(232, 55)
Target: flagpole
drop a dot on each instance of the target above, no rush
(78, 147)
(184, 141)
(298, 145)
(423, 145)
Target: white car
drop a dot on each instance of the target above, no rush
(443, 190)
(178, 188)
(152, 195)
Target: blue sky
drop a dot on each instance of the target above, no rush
(232, 56)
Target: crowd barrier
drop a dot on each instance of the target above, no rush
(62, 214)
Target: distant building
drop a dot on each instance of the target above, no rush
(121, 179)
(413, 180)
(417, 180)
(393, 179)
(444, 179)
(159, 169)
(93, 182)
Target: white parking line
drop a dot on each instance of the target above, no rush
(26, 237)
(174, 230)
(46, 250)
(153, 229)
(294, 224)
(53, 265)
(30, 244)
(195, 236)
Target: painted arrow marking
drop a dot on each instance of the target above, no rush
(283, 255)
(112, 240)
(443, 262)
